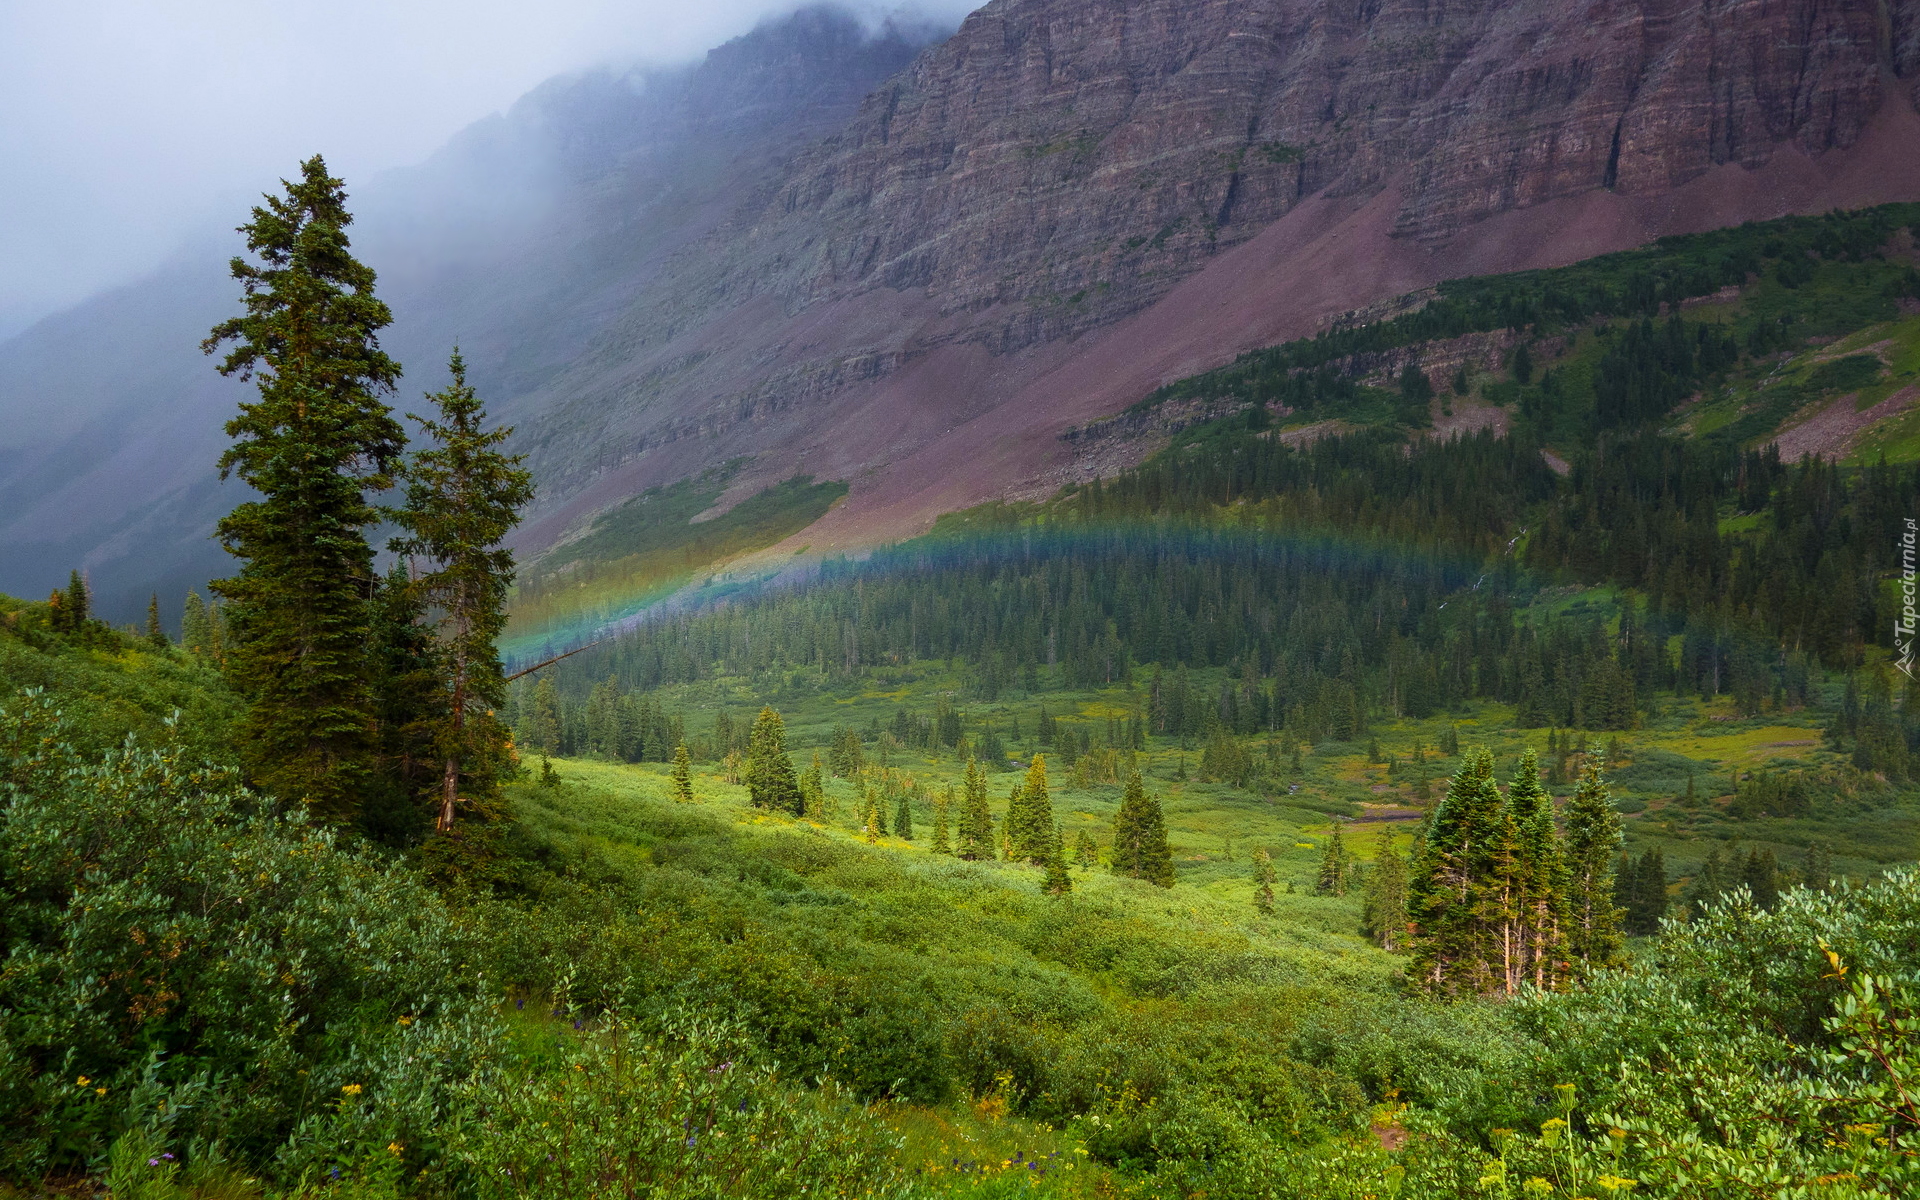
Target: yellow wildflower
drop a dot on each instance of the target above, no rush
(351, 1089)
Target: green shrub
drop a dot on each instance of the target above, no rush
(686, 1111)
(183, 959)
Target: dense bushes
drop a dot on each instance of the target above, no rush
(180, 955)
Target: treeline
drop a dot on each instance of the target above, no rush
(1635, 283)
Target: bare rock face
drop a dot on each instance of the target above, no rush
(1057, 165)
(1075, 157)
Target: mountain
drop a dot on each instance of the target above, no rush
(517, 240)
(822, 253)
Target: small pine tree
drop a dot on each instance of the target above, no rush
(1817, 869)
(1086, 851)
(78, 601)
(156, 636)
(682, 774)
(1059, 881)
(1332, 880)
(1140, 849)
(771, 783)
(813, 789)
(1263, 877)
(1383, 912)
(544, 729)
(194, 633)
(903, 818)
(1593, 835)
(942, 814)
(548, 776)
(976, 817)
(1030, 825)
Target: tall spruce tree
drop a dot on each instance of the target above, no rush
(771, 782)
(1451, 876)
(1140, 848)
(316, 445)
(1383, 910)
(1593, 836)
(463, 497)
(976, 817)
(903, 818)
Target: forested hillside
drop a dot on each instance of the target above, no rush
(1337, 803)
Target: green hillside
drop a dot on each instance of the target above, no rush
(854, 888)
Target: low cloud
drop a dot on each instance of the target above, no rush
(135, 124)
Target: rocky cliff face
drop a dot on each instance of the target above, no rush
(1060, 165)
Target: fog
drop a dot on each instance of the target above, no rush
(132, 125)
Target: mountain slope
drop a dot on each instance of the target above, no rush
(1033, 223)
(1067, 203)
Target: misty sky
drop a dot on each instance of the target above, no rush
(130, 125)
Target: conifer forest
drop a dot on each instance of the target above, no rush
(1335, 799)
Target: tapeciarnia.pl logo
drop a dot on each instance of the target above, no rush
(1903, 627)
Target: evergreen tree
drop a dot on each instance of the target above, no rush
(156, 636)
(1383, 911)
(1140, 849)
(544, 726)
(1332, 880)
(1817, 869)
(942, 816)
(1059, 881)
(463, 497)
(1451, 875)
(1263, 877)
(976, 817)
(1030, 825)
(1540, 901)
(1644, 896)
(409, 706)
(548, 776)
(194, 632)
(1761, 874)
(1086, 851)
(813, 789)
(682, 775)
(1593, 835)
(770, 779)
(315, 445)
(903, 818)
(78, 601)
